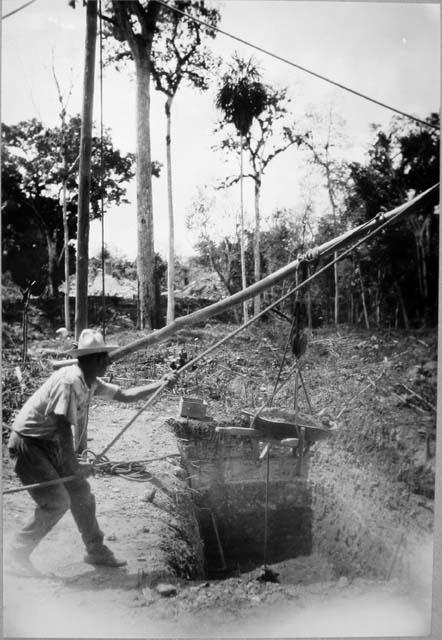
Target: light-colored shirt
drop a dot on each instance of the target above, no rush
(65, 393)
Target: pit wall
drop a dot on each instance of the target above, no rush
(180, 554)
(338, 508)
(173, 538)
(358, 518)
(228, 483)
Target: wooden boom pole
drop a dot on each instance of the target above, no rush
(321, 251)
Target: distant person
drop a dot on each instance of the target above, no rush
(41, 448)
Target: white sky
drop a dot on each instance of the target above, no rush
(390, 51)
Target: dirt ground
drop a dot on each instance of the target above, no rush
(360, 372)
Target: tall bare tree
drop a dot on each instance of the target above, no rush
(323, 138)
(179, 56)
(272, 133)
(133, 24)
(84, 181)
(219, 253)
(241, 97)
(66, 172)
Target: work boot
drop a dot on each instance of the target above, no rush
(103, 556)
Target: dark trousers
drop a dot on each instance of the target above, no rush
(37, 460)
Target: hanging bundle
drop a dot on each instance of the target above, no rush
(298, 336)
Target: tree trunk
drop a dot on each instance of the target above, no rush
(170, 317)
(402, 306)
(242, 244)
(146, 254)
(308, 296)
(419, 263)
(84, 184)
(226, 284)
(51, 243)
(364, 304)
(378, 300)
(425, 244)
(81, 319)
(421, 237)
(335, 267)
(336, 304)
(67, 317)
(257, 246)
(26, 297)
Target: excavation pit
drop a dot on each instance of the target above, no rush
(229, 488)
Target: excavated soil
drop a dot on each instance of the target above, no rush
(350, 540)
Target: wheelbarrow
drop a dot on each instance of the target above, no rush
(283, 427)
(285, 423)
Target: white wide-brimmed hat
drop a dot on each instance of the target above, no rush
(90, 342)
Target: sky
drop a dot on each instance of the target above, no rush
(389, 51)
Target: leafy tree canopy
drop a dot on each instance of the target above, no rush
(36, 161)
(174, 38)
(242, 96)
(402, 161)
(178, 49)
(44, 157)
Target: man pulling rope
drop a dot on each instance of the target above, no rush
(42, 449)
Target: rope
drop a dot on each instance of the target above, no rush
(145, 460)
(282, 361)
(266, 511)
(23, 6)
(301, 377)
(298, 66)
(266, 404)
(128, 469)
(295, 368)
(132, 420)
(134, 470)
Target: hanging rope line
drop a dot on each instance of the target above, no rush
(266, 509)
(103, 295)
(284, 355)
(127, 469)
(277, 57)
(23, 6)
(294, 369)
(298, 66)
